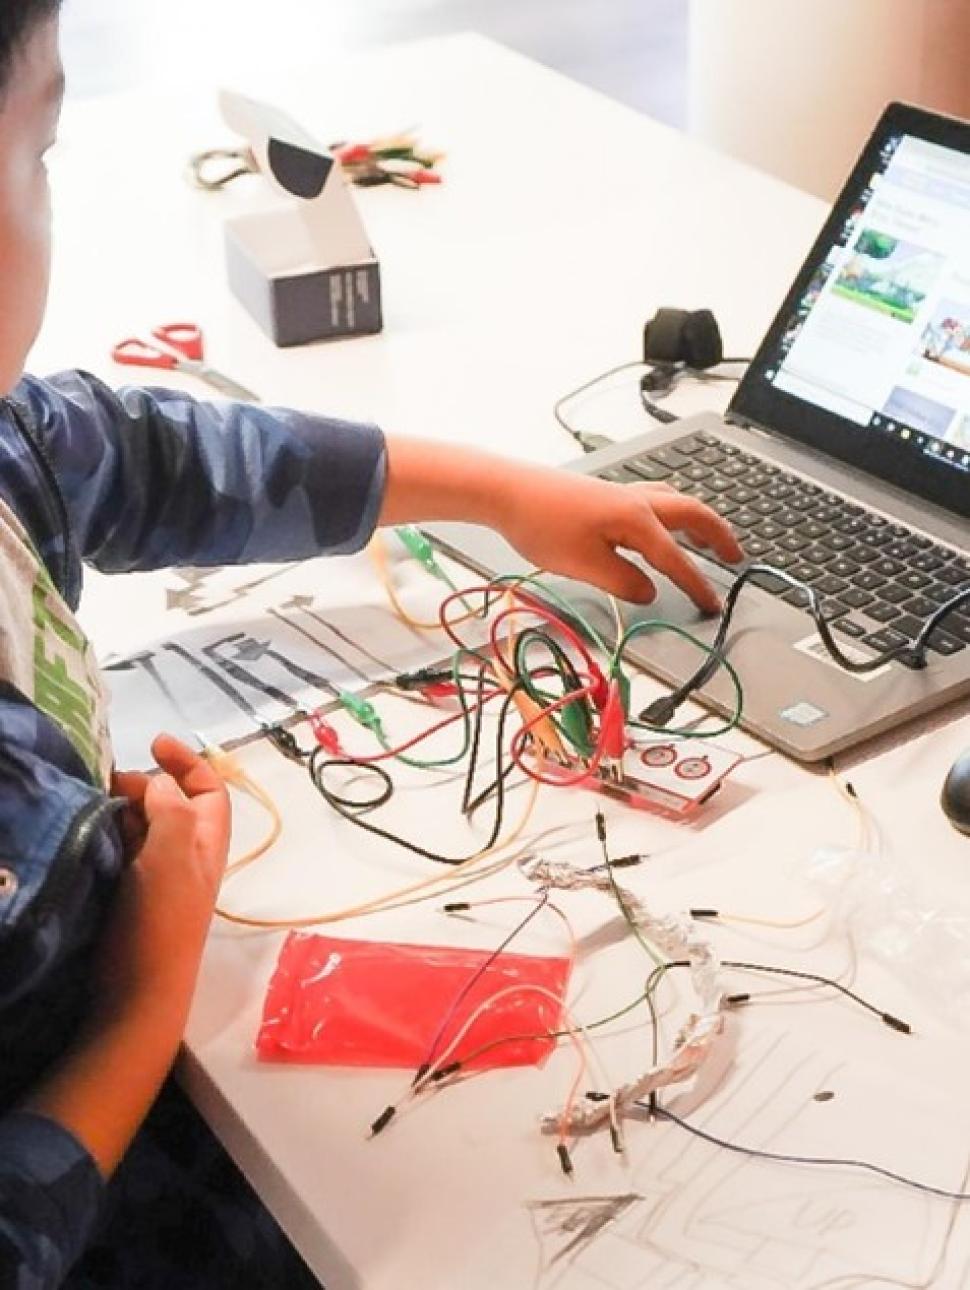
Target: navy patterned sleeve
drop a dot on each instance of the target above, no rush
(153, 477)
(50, 1196)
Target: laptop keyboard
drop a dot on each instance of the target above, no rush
(878, 581)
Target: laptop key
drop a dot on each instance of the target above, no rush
(861, 554)
(818, 554)
(900, 550)
(867, 580)
(800, 502)
(881, 612)
(669, 456)
(843, 568)
(826, 514)
(850, 526)
(765, 506)
(849, 627)
(876, 538)
(770, 582)
(710, 456)
(909, 625)
(691, 444)
(812, 530)
(830, 585)
(855, 598)
(696, 472)
(742, 495)
(756, 548)
(724, 506)
(943, 643)
(745, 518)
(808, 573)
(885, 639)
(646, 469)
(887, 568)
(926, 562)
(913, 579)
(770, 530)
(938, 592)
(788, 518)
(953, 574)
(921, 606)
(795, 596)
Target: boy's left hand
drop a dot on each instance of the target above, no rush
(577, 526)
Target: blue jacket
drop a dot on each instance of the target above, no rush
(132, 480)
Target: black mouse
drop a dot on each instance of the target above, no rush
(955, 798)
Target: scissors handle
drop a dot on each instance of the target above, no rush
(137, 353)
(184, 337)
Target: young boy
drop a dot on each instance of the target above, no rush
(107, 882)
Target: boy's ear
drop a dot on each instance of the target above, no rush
(301, 172)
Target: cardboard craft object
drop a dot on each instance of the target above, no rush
(304, 269)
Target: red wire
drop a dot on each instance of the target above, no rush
(547, 616)
(385, 753)
(528, 604)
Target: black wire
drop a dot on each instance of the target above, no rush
(783, 1158)
(887, 1017)
(588, 442)
(894, 1022)
(665, 417)
(353, 812)
(662, 710)
(476, 976)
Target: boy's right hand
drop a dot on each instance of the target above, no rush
(156, 929)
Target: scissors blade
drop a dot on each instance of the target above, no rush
(225, 384)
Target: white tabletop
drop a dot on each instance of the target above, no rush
(563, 223)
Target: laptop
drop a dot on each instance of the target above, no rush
(844, 458)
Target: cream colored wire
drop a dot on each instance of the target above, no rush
(382, 902)
(377, 550)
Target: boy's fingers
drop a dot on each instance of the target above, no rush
(131, 784)
(658, 546)
(704, 526)
(166, 806)
(192, 773)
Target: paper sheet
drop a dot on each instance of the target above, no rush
(692, 1215)
(221, 651)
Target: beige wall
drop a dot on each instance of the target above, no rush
(795, 86)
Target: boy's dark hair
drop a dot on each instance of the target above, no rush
(17, 20)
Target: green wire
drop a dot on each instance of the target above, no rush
(562, 663)
(660, 624)
(535, 580)
(624, 908)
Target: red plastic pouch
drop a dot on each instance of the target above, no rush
(365, 1003)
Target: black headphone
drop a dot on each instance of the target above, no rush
(678, 342)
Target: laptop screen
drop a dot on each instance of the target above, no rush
(869, 357)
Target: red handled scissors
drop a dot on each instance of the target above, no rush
(184, 351)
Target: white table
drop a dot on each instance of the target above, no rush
(564, 221)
